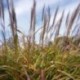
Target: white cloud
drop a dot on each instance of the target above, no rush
(22, 7)
(68, 8)
(25, 6)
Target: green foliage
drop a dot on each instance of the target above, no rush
(48, 60)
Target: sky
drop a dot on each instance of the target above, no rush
(23, 10)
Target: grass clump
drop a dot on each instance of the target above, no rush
(48, 60)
